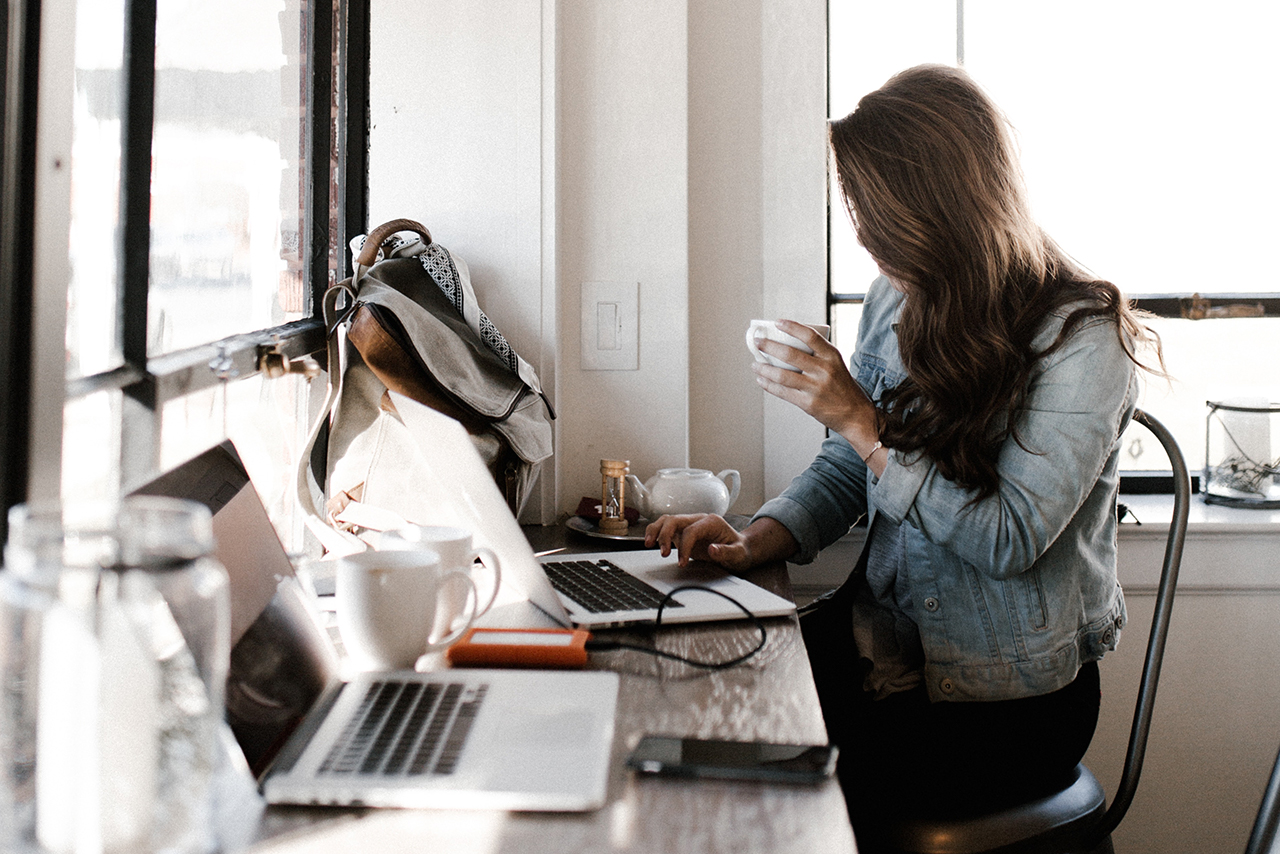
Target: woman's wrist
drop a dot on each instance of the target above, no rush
(866, 458)
(766, 539)
(872, 451)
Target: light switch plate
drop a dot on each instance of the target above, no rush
(611, 326)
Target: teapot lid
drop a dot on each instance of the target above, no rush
(683, 472)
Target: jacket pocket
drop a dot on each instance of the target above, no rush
(1033, 596)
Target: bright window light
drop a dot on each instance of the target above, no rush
(1147, 134)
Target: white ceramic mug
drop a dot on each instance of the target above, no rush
(453, 544)
(395, 606)
(769, 329)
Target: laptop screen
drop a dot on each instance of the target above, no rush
(281, 658)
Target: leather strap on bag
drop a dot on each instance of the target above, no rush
(369, 252)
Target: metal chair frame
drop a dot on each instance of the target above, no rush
(1141, 729)
(1078, 832)
(1263, 837)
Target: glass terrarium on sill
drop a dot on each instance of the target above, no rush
(1242, 454)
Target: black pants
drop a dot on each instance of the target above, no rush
(904, 751)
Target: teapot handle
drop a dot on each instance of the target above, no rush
(732, 480)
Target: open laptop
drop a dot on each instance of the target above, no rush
(592, 590)
(492, 739)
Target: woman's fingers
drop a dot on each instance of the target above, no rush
(694, 537)
(823, 351)
(812, 338)
(668, 531)
(662, 531)
(785, 353)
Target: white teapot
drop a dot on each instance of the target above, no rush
(684, 491)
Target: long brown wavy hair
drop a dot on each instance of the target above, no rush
(929, 175)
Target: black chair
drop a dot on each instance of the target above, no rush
(1263, 837)
(1075, 818)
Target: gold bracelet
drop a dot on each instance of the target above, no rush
(871, 453)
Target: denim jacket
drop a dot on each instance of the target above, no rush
(1011, 594)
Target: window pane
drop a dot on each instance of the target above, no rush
(91, 446)
(265, 418)
(1208, 360)
(93, 345)
(844, 327)
(1147, 133)
(868, 42)
(227, 191)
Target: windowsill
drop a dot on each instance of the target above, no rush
(1228, 550)
(1202, 518)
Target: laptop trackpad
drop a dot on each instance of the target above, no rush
(699, 572)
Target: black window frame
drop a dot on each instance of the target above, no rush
(20, 35)
(146, 383)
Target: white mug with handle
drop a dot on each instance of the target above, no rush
(453, 544)
(396, 606)
(769, 329)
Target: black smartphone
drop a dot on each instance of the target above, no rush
(733, 760)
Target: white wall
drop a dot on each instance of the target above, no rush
(623, 186)
(757, 232)
(456, 142)
(665, 142)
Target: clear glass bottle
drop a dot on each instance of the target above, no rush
(129, 629)
(26, 599)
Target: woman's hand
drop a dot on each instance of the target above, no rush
(700, 536)
(823, 388)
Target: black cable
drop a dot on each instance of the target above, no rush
(594, 645)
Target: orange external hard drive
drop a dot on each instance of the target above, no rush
(520, 648)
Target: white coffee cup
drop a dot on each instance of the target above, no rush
(769, 329)
(453, 544)
(395, 606)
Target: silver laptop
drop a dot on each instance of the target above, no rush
(593, 590)
(492, 739)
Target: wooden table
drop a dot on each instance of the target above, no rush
(771, 697)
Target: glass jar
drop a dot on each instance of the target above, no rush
(26, 600)
(1242, 454)
(116, 627)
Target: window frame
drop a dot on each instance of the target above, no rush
(20, 34)
(147, 384)
(1216, 307)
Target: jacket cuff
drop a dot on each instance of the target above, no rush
(898, 486)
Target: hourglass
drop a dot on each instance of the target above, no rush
(613, 496)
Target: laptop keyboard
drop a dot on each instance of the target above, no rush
(406, 729)
(601, 587)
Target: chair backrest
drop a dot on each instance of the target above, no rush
(1159, 628)
(1263, 837)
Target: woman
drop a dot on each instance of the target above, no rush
(979, 432)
